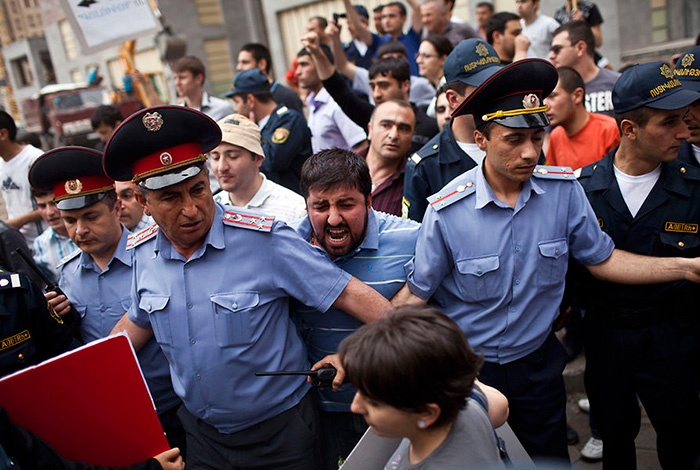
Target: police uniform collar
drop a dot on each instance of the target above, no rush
(485, 194)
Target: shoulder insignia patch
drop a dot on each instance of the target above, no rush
(69, 257)
(282, 110)
(553, 173)
(450, 195)
(135, 239)
(280, 135)
(10, 281)
(251, 221)
(415, 158)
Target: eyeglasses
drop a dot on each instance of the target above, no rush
(557, 48)
(423, 55)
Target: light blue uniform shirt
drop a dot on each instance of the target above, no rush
(223, 314)
(102, 298)
(378, 261)
(499, 271)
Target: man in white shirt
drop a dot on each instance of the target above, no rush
(539, 29)
(236, 164)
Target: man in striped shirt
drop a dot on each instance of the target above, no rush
(372, 246)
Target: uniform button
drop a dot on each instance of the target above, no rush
(193, 341)
(479, 271)
(682, 170)
(189, 306)
(681, 244)
(149, 308)
(511, 309)
(20, 356)
(516, 281)
(517, 248)
(556, 251)
(102, 308)
(435, 147)
(197, 377)
(234, 305)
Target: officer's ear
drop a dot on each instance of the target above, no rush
(480, 140)
(628, 129)
(143, 200)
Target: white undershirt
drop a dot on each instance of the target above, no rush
(473, 151)
(635, 189)
(696, 152)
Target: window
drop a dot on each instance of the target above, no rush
(659, 21)
(22, 71)
(218, 63)
(209, 12)
(692, 17)
(68, 39)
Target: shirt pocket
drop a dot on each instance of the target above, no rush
(680, 244)
(553, 262)
(479, 280)
(155, 305)
(232, 317)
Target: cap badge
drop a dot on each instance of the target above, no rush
(152, 121)
(73, 186)
(666, 71)
(166, 159)
(530, 101)
(481, 50)
(687, 60)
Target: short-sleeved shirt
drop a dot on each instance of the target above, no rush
(273, 199)
(378, 261)
(411, 40)
(540, 33)
(330, 126)
(498, 271)
(598, 97)
(223, 314)
(101, 298)
(589, 144)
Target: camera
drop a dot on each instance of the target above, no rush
(337, 16)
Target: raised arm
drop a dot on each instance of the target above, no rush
(361, 29)
(342, 64)
(416, 23)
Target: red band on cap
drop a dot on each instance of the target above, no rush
(81, 186)
(166, 159)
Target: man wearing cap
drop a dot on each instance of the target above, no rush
(285, 136)
(688, 72)
(97, 278)
(212, 284)
(494, 247)
(641, 341)
(236, 164)
(357, 51)
(364, 242)
(453, 151)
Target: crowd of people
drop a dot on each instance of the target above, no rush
(420, 208)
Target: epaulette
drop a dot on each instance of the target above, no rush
(553, 172)
(249, 220)
(282, 110)
(10, 280)
(451, 194)
(687, 171)
(135, 239)
(69, 257)
(415, 158)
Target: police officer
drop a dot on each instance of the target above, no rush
(96, 278)
(213, 287)
(452, 151)
(29, 333)
(493, 250)
(688, 72)
(284, 135)
(641, 342)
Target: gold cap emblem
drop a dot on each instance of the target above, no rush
(666, 71)
(166, 159)
(531, 100)
(687, 60)
(73, 186)
(152, 121)
(481, 50)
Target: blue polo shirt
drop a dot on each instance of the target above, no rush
(223, 314)
(499, 271)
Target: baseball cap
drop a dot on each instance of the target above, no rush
(472, 61)
(237, 129)
(688, 69)
(248, 81)
(653, 85)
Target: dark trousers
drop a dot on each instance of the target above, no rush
(174, 431)
(658, 364)
(340, 432)
(287, 441)
(535, 390)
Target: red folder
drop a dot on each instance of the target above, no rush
(91, 404)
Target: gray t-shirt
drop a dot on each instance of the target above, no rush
(470, 444)
(598, 98)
